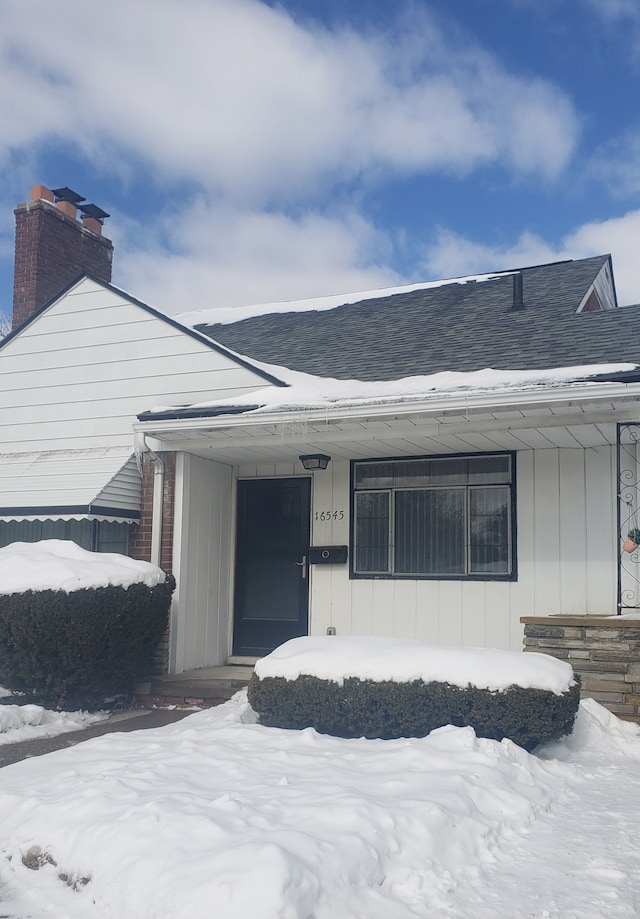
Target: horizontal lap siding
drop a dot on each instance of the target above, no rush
(81, 372)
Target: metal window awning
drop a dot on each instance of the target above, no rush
(96, 484)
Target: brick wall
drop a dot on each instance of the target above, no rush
(603, 651)
(140, 544)
(52, 249)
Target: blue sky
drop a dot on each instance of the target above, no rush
(260, 151)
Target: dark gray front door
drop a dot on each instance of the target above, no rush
(271, 582)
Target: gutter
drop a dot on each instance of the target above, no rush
(448, 403)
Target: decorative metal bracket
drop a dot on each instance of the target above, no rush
(628, 510)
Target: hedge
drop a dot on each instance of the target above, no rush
(81, 647)
(366, 708)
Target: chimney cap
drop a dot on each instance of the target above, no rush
(92, 210)
(66, 194)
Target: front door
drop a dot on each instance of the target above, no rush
(271, 583)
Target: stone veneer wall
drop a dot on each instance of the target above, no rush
(603, 651)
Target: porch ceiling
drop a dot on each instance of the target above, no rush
(571, 424)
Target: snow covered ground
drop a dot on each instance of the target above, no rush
(219, 816)
(30, 722)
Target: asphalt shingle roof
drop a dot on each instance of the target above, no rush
(454, 326)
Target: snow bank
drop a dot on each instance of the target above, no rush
(218, 816)
(58, 564)
(28, 722)
(336, 657)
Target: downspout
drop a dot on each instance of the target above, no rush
(156, 510)
(158, 495)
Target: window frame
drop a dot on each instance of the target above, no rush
(467, 487)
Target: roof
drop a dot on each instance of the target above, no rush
(191, 332)
(100, 484)
(460, 325)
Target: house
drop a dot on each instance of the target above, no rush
(435, 462)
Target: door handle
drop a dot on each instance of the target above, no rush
(303, 565)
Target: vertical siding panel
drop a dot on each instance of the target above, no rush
(498, 633)
(473, 614)
(450, 610)
(178, 613)
(340, 611)
(222, 555)
(383, 608)
(546, 558)
(200, 540)
(521, 594)
(572, 532)
(320, 580)
(404, 612)
(265, 471)
(428, 611)
(340, 601)
(602, 539)
(362, 606)
(203, 550)
(322, 597)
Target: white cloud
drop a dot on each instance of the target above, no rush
(258, 117)
(454, 255)
(239, 98)
(617, 165)
(614, 10)
(210, 255)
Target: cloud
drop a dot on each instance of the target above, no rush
(210, 256)
(614, 10)
(617, 165)
(454, 255)
(239, 98)
(256, 119)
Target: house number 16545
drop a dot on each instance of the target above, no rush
(329, 515)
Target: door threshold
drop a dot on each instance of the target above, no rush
(241, 661)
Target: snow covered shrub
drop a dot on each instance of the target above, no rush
(72, 645)
(408, 703)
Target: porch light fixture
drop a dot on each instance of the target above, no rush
(313, 461)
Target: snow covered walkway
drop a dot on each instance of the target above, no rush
(581, 858)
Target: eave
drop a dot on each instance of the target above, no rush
(428, 424)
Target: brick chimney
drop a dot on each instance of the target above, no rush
(53, 247)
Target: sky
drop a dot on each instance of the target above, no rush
(253, 151)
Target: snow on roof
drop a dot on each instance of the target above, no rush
(337, 658)
(59, 564)
(225, 315)
(307, 391)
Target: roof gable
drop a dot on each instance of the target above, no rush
(87, 284)
(76, 375)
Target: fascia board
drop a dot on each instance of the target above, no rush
(580, 394)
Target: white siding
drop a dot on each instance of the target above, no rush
(201, 619)
(79, 374)
(566, 551)
(63, 478)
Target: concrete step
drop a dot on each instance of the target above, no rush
(202, 688)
